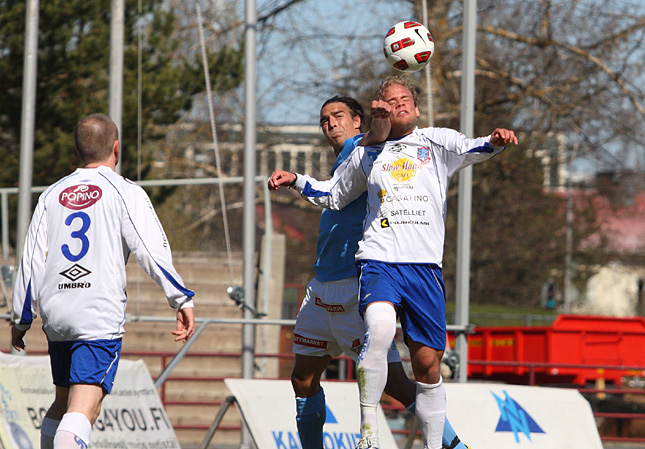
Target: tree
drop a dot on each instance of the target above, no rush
(567, 69)
(543, 73)
(73, 56)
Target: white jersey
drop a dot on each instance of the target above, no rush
(73, 265)
(407, 183)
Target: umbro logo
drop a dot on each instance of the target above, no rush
(75, 272)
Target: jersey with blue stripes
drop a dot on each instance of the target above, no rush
(406, 181)
(73, 265)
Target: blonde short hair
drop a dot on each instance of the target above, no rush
(401, 80)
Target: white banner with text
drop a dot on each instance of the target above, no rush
(484, 415)
(269, 408)
(132, 416)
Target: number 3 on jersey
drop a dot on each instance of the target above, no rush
(80, 234)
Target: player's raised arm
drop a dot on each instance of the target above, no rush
(347, 184)
(281, 178)
(500, 137)
(380, 126)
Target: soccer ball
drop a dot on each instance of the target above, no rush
(408, 46)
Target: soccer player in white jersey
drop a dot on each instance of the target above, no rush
(328, 322)
(73, 268)
(400, 255)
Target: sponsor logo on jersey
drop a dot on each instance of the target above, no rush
(513, 418)
(75, 272)
(402, 169)
(357, 346)
(423, 154)
(405, 197)
(385, 223)
(329, 307)
(382, 194)
(68, 285)
(417, 213)
(80, 196)
(398, 187)
(397, 148)
(311, 342)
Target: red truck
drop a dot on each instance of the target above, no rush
(575, 349)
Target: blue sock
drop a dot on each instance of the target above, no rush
(450, 440)
(310, 418)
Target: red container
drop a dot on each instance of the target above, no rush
(601, 342)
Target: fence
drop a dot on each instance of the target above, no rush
(615, 424)
(595, 395)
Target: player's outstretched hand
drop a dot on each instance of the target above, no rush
(281, 178)
(185, 324)
(17, 338)
(500, 137)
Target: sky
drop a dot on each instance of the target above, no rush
(329, 34)
(305, 50)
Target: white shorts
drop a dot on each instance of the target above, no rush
(328, 322)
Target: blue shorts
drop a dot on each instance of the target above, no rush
(85, 362)
(416, 290)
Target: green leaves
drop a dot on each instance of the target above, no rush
(73, 79)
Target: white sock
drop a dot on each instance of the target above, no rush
(431, 413)
(73, 432)
(380, 322)
(47, 432)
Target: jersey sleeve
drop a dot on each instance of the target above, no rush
(461, 151)
(146, 239)
(31, 269)
(348, 183)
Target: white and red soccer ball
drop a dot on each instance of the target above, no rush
(408, 46)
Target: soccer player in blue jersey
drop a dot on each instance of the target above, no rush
(73, 268)
(406, 179)
(328, 322)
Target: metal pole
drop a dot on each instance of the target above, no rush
(115, 94)
(568, 264)
(30, 71)
(428, 72)
(249, 185)
(248, 331)
(5, 225)
(465, 185)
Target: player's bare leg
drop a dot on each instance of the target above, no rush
(310, 399)
(52, 418)
(83, 408)
(399, 385)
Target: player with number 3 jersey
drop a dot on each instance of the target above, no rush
(82, 232)
(73, 269)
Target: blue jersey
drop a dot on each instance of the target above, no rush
(340, 231)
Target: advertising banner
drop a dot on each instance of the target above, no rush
(269, 408)
(484, 415)
(490, 416)
(132, 416)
